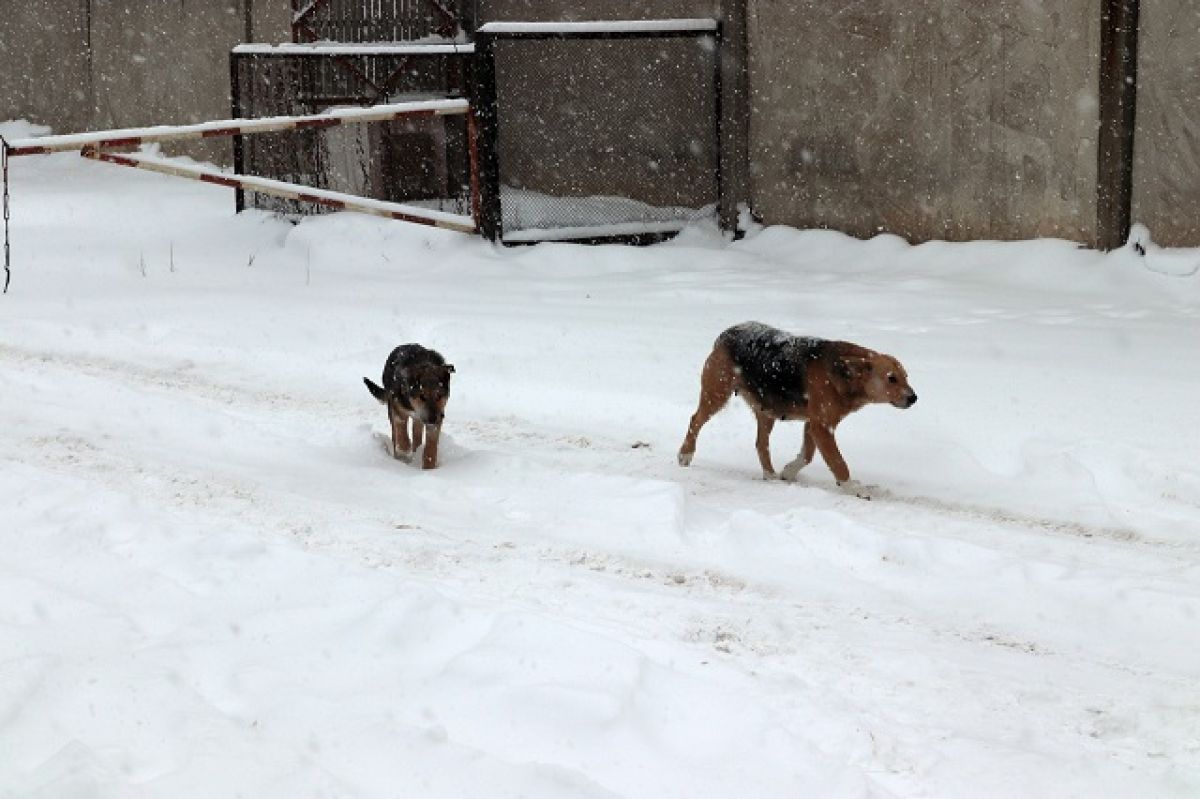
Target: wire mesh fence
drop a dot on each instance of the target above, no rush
(605, 133)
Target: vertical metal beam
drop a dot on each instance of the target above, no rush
(247, 20)
(734, 111)
(725, 220)
(487, 117)
(239, 146)
(468, 17)
(1118, 106)
(473, 158)
(90, 62)
(235, 100)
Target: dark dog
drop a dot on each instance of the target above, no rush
(785, 377)
(416, 385)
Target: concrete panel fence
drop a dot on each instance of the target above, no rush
(934, 120)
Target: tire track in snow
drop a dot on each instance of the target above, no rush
(702, 480)
(322, 524)
(761, 628)
(179, 380)
(176, 379)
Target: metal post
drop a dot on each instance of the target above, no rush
(239, 147)
(247, 20)
(487, 116)
(734, 111)
(726, 221)
(473, 157)
(1118, 101)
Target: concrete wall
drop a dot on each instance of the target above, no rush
(97, 64)
(921, 117)
(1166, 170)
(45, 64)
(929, 119)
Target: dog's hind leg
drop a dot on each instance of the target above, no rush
(762, 443)
(716, 387)
(792, 470)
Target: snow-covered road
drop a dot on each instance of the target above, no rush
(215, 582)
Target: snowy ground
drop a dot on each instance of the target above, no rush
(216, 583)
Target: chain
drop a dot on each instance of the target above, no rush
(7, 251)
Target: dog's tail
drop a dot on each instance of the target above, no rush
(376, 392)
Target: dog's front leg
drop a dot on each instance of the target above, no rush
(856, 488)
(400, 443)
(418, 433)
(823, 436)
(429, 456)
(792, 470)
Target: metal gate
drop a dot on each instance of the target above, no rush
(425, 161)
(596, 131)
(350, 53)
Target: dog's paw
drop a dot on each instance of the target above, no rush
(770, 476)
(792, 470)
(685, 458)
(855, 488)
(401, 455)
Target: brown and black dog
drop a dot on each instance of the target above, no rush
(784, 377)
(416, 385)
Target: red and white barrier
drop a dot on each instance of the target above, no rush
(94, 144)
(291, 191)
(133, 137)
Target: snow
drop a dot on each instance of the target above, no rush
(531, 216)
(435, 47)
(583, 27)
(215, 582)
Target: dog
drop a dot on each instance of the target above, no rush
(416, 385)
(784, 377)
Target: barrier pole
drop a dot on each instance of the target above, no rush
(290, 191)
(132, 137)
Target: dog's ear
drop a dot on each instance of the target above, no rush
(450, 368)
(851, 367)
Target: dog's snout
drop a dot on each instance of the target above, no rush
(911, 400)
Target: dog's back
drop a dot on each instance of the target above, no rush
(772, 364)
(408, 358)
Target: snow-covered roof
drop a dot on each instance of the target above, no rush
(602, 26)
(366, 48)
